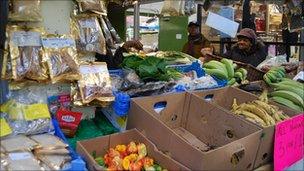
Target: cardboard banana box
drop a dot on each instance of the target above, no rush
(224, 97)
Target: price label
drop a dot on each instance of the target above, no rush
(289, 142)
(5, 129)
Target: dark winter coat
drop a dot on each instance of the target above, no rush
(255, 56)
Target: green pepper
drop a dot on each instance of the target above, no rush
(100, 161)
(157, 167)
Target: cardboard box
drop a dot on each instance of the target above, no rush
(224, 98)
(101, 145)
(119, 122)
(188, 125)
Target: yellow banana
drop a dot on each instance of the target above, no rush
(251, 115)
(253, 109)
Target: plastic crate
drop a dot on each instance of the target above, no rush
(253, 73)
(77, 163)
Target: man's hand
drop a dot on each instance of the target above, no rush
(132, 44)
(206, 51)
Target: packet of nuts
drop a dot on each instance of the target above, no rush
(61, 56)
(97, 6)
(26, 54)
(25, 10)
(88, 34)
(95, 83)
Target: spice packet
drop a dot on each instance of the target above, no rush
(95, 83)
(75, 95)
(55, 162)
(48, 141)
(88, 34)
(25, 10)
(97, 6)
(107, 33)
(61, 56)
(22, 160)
(26, 54)
(18, 142)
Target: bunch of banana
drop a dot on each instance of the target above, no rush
(286, 91)
(289, 93)
(259, 111)
(274, 75)
(226, 69)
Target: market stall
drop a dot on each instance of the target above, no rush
(67, 109)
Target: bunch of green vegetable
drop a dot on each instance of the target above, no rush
(150, 68)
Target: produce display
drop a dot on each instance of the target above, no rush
(259, 111)
(150, 68)
(286, 91)
(128, 157)
(226, 70)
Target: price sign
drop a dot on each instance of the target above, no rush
(289, 142)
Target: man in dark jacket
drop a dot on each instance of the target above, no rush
(247, 49)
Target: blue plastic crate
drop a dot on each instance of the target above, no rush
(116, 72)
(77, 163)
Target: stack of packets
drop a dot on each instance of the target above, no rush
(36, 152)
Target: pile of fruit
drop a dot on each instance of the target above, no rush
(286, 91)
(259, 111)
(128, 157)
(226, 69)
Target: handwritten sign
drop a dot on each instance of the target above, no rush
(289, 142)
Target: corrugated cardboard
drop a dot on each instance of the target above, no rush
(102, 144)
(188, 125)
(224, 98)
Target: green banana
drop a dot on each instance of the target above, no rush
(287, 103)
(271, 76)
(218, 65)
(289, 88)
(292, 82)
(229, 67)
(217, 72)
(295, 98)
(266, 79)
(231, 81)
(239, 75)
(244, 72)
(211, 66)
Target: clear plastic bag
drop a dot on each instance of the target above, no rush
(26, 54)
(271, 61)
(25, 10)
(61, 56)
(27, 111)
(23, 161)
(114, 34)
(107, 33)
(95, 83)
(206, 82)
(88, 34)
(92, 5)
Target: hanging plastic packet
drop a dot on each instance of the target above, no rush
(88, 34)
(114, 34)
(97, 6)
(190, 7)
(48, 141)
(23, 161)
(107, 33)
(18, 142)
(6, 72)
(61, 56)
(75, 95)
(55, 162)
(26, 54)
(95, 83)
(25, 10)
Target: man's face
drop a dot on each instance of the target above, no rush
(193, 30)
(244, 43)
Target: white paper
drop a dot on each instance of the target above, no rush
(300, 76)
(222, 24)
(20, 155)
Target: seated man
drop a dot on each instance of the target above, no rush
(196, 42)
(247, 49)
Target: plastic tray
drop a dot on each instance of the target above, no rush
(77, 162)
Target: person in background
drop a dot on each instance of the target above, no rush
(248, 48)
(113, 62)
(197, 44)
